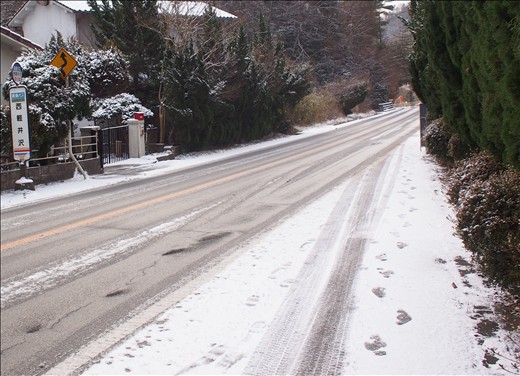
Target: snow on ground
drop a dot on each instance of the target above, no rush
(414, 294)
(418, 307)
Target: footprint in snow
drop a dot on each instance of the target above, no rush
(385, 273)
(305, 245)
(257, 326)
(403, 317)
(375, 345)
(379, 292)
(382, 257)
(274, 273)
(252, 300)
(287, 282)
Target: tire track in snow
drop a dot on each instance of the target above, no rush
(306, 336)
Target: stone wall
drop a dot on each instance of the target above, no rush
(48, 174)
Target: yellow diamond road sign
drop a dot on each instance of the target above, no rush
(64, 62)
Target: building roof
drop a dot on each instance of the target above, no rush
(75, 6)
(10, 37)
(18, 9)
(8, 8)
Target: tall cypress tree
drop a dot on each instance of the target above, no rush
(466, 67)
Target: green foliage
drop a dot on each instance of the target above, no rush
(53, 103)
(219, 93)
(465, 66)
(342, 41)
(214, 88)
(352, 96)
(134, 28)
(487, 197)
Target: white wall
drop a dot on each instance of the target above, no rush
(43, 21)
(9, 51)
(85, 35)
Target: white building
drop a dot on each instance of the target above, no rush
(12, 45)
(40, 20)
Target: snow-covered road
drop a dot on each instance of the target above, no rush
(415, 309)
(320, 293)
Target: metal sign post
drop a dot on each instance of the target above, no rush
(19, 107)
(20, 123)
(423, 111)
(66, 63)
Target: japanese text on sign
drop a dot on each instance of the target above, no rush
(20, 123)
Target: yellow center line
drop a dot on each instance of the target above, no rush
(118, 212)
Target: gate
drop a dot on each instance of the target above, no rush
(113, 143)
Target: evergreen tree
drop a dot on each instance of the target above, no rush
(133, 27)
(465, 66)
(53, 103)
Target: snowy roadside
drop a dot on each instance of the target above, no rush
(418, 306)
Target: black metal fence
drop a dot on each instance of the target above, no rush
(113, 143)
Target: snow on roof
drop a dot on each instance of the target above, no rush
(191, 8)
(76, 5)
(185, 8)
(17, 38)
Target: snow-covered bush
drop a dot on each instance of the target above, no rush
(119, 108)
(5, 134)
(486, 196)
(466, 172)
(489, 225)
(53, 103)
(107, 72)
(436, 139)
(457, 149)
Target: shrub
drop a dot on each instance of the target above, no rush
(436, 139)
(316, 107)
(486, 196)
(352, 96)
(464, 173)
(488, 221)
(457, 149)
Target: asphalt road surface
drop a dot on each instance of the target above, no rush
(74, 267)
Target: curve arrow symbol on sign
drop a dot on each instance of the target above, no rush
(64, 58)
(64, 62)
